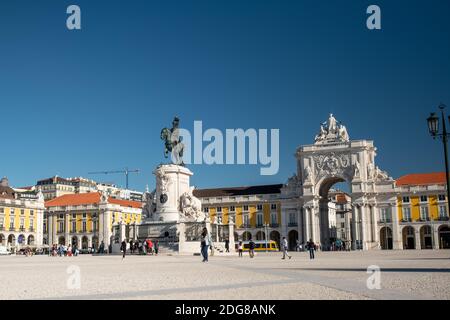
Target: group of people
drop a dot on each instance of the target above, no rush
(141, 247)
(64, 251)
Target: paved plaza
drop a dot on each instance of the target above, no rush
(333, 275)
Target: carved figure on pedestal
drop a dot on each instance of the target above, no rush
(149, 205)
(308, 174)
(191, 207)
(357, 170)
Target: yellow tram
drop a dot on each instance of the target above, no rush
(260, 245)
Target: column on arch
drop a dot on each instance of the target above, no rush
(397, 239)
(306, 224)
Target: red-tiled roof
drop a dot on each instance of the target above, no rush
(341, 198)
(88, 198)
(125, 203)
(422, 179)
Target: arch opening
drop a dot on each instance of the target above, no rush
(334, 213)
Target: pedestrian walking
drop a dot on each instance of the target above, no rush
(251, 248)
(284, 245)
(204, 244)
(311, 249)
(123, 249)
(240, 249)
(227, 245)
(156, 247)
(131, 246)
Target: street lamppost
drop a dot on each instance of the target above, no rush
(433, 127)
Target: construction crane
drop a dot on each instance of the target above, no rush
(126, 171)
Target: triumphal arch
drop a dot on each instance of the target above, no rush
(334, 158)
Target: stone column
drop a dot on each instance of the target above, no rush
(306, 224)
(50, 228)
(418, 240)
(67, 227)
(315, 223)
(122, 232)
(397, 243)
(284, 224)
(106, 222)
(355, 224)
(364, 227)
(300, 224)
(231, 234)
(435, 234)
(375, 217)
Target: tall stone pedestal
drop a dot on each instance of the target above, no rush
(167, 223)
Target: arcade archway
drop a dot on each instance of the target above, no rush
(444, 237)
(409, 239)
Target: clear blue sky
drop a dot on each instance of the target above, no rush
(96, 99)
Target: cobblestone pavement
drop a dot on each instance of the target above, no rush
(412, 274)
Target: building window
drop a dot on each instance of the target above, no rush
(2, 221)
(31, 223)
(11, 225)
(259, 207)
(61, 216)
(84, 226)
(61, 226)
(405, 199)
(2, 210)
(246, 220)
(259, 220)
(385, 215)
(273, 206)
(442, 211)
(423, 199)
(22, 212)
(74, 215)
(245, 208)
(441, 197)
(232, 209)
(206, 210)
(273, 218)
(219, 209)
(424, 213)
(84, 215)
(74, 226)
(407, 214)
(342, 225)
(292, 218)
(31, 212)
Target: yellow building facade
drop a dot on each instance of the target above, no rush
(21, 217)
(86, 220)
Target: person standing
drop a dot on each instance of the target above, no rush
(131, 246)
(311, 248)
(251, 248)
(284, 245)
(205, 243)
(123, 248)
(240, 249)
(227, 245)
(156, 247)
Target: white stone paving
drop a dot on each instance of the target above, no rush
(416, 274)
